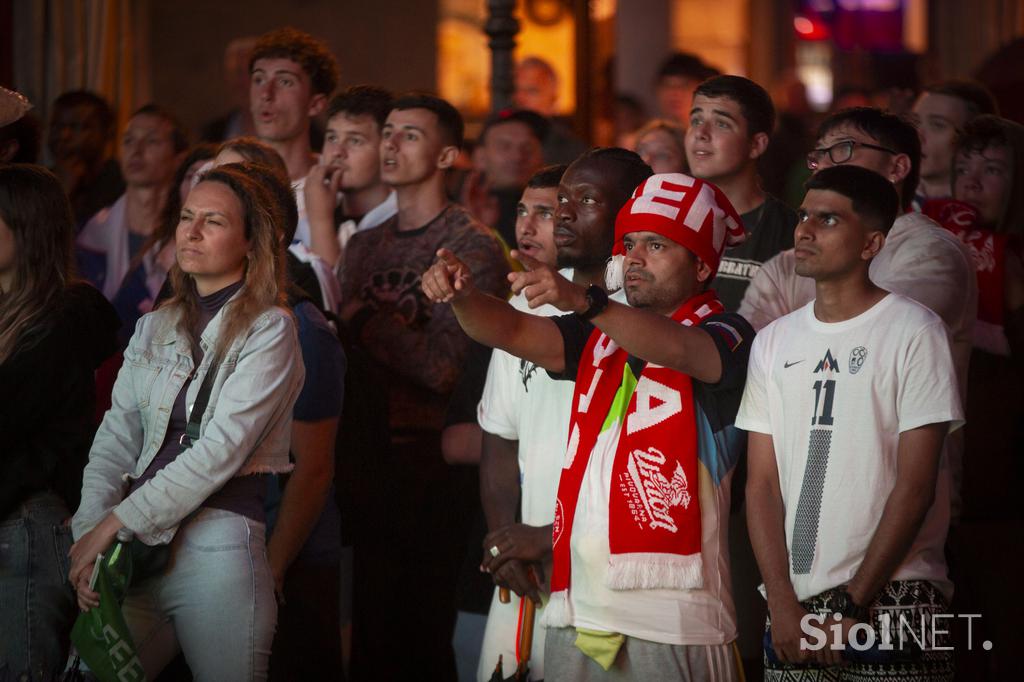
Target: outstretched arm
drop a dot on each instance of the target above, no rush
(651, 337)
(490, 320)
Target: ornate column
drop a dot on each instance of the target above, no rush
(501, 27)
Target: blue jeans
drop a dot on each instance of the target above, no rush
(215, 602)
(37, 605)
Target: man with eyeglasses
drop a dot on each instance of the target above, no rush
(919, 259)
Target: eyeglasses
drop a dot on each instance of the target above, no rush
(840, 152)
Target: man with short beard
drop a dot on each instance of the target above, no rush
(640, 582)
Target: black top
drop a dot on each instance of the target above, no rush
(720, 401)
(47, 400)
(769, 230)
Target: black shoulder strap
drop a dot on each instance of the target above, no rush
(195, 417)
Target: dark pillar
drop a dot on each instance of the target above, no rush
(501, 27)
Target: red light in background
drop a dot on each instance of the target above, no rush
(810, 29)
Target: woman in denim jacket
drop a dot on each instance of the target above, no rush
(54, 332)
(215, 600)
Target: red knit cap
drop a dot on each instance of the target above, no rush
(690, 212)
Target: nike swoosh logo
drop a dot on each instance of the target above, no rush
(787, 365)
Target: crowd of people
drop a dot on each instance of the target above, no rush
(403, 404)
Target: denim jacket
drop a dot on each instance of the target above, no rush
(246, 427)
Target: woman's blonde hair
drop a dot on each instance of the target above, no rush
(264, 276)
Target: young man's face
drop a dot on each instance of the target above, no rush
(510, 155)
(535, 224)
(281, 99)
(660, 274)
(589, 198)
(352, 143)
(718, 145)
(411, 147)
(940, 117)
(147, 151)
(882, 162)
(660, 150)
(831, 240)
(984, 180)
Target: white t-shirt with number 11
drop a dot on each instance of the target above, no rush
(835, 398)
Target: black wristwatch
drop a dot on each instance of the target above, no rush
(847, 608)
(597, 301)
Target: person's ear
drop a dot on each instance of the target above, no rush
(899, 169)
(703, 272)
(758, 144)
(317, 104)
(873, 243)
(446, 159)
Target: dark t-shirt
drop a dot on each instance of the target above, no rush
(769, 230)
(474, 589)
(719, 402)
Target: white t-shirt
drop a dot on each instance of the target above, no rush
(835, 398)
(921, 261)
(521, 402)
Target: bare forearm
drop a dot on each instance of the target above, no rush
(659, 340)
(499, 480)
(460, 443)
(904, 512)
(324, 239)
(766, 524)
(305, 493)
(493, 322)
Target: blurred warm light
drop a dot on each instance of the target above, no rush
(464, 59)
(814, 69)
(803, 25)
(715, 30)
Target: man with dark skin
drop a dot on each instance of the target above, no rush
(613, 616)
(590, 195)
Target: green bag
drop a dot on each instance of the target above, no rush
(100, 635)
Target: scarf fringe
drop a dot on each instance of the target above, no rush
(615, 273)
(558, 611)
(655, 571)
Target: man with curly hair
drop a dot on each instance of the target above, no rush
(293, 75)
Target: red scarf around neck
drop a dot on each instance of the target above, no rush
(654, 529)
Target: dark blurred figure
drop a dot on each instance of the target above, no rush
(941, 112)
(82, 129)
(152, 145)
(783, 166)
(54, 332)
(987, 546)
(509, 153)
(147, 271)
(677, 78)
(238, 121)
(1002, 75)
(629, 116)
(536, 89)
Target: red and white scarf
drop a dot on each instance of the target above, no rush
(654, 529)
